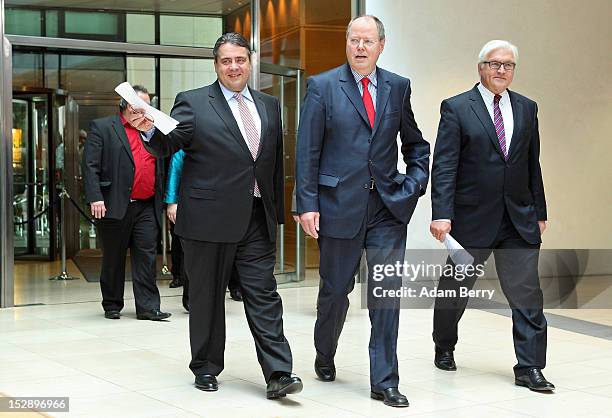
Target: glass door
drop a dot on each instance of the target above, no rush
(38, 155)
(81, 109)
(286, 84)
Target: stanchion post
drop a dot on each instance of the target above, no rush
(64, 274)
(164, 270)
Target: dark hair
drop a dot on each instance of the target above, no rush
(138, 89)
(231, 38)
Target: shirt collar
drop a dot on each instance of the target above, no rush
(489, 96)
(228, 94)
(359, 77)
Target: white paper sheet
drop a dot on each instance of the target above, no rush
(161, 121)
(457, 253)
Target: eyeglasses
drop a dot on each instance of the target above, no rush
(496, 65)
(368, 43)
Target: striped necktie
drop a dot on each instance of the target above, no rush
(498, 121)
(252, 135)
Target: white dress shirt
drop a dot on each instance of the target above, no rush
(233, 104)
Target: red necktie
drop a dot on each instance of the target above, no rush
(367, 101)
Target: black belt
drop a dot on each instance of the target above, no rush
(150, 199)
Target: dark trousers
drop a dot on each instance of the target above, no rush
(384, 239)
(176, 254)
(209, 267)
(178, 268)
(516, 262)
(138, 231)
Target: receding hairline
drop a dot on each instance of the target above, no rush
(380, 27)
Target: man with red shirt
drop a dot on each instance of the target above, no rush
(123, 185)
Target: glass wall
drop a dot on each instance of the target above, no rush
(180, 74)
(117, 26)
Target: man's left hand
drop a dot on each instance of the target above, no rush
(542, 225)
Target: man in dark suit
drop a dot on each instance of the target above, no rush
(350, 195)
(487, 189)
(230, 202)
(123, 185)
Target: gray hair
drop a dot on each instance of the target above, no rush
(379, 26)
(497, 44)
(233, 38)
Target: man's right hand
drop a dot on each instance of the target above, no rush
(98, 210)
(138, 119)
(171, 212)
(439, 229)
(310, 223)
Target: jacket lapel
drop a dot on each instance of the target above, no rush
(348, 85)
(479, 107)
(517, 114)
(263, 115)
(219, 104)
(120, 131)
(383, 90)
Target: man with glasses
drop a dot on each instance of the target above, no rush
(487, 191)
(350, 195)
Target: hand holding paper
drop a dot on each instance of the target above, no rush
(457, 253)
(161, 121)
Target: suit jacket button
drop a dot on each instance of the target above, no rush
(250, 192)
(369, 141)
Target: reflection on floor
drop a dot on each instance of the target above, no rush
(33, 287)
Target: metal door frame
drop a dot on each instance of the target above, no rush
(6, 169)
(52, 129)
(300, 250)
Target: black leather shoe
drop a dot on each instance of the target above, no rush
(534, 380)
(390, 397)
(206, 382)
(176, 282)
(112, 314)
(445, 360)
(283, 384)
(236, 295)
(325, 372)
(155, 315)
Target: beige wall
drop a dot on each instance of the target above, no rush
(565, 50)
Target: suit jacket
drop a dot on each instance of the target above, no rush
(216, 193)
(471, 181)
(338, 151)
(108, 168)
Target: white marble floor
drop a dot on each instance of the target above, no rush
(130, 368)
